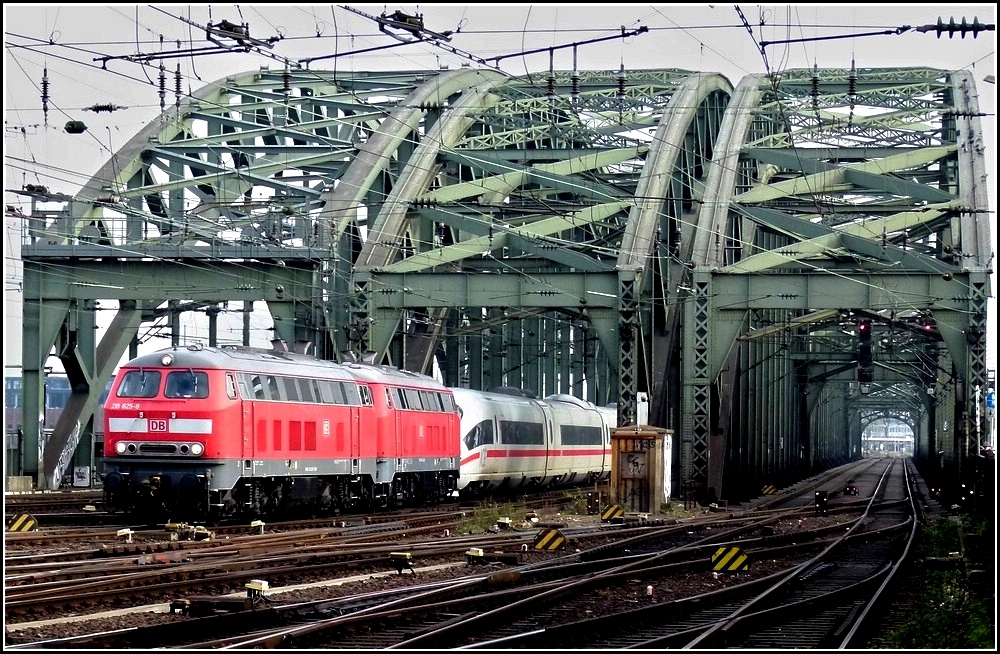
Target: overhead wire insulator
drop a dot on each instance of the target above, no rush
(950, 28)
(45, 94)
(621, 82)
(286, 81)
(163, 87)
(575, 85)
(98, 108)
(177, 85)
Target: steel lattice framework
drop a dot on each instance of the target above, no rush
(835, 196)
(608, 234)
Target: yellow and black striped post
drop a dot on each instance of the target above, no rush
(612, 512)
(769, 490)
(22, 522)
(550, 539)
(730, 559)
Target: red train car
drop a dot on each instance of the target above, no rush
(198, 432)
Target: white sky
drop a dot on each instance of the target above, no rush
(70, 41)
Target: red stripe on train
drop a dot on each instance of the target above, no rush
(520, 454)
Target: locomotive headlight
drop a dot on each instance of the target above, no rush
(197, 449)
(120, 447)
(167, 359)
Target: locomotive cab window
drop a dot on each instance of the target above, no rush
(366, 395)
(140, 383)
(186, 383)
(257, 386)
(481, 434)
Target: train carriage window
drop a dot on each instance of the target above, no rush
(388, 398)
(139, 383)
(230, 386)
(412, 399)
(310, 390)
(186, 383)
(516, 432)
(481, 434)
(57, 392)
(580, 435)
(272, 387)
(448, 402)
(291, 387)
(332, 392)
(325, 392)
(430, 401)
(351, 393)
(399, 398)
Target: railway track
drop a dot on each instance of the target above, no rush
(651, 577)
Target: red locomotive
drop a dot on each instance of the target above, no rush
(202, 432)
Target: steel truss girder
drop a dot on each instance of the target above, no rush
(545, 220)
(799, 230)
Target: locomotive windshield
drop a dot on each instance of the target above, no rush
(186, 383)
(140, 383)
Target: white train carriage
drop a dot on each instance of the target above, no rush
(511, 441)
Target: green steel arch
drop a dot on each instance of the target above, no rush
(347, 202)
(836, 196)
(556, 201)
(601, 233)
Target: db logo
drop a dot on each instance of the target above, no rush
(157, 425)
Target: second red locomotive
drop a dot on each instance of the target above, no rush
(203, 432)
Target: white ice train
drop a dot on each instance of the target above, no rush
(512, 441)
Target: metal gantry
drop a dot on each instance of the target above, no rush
(598, 233)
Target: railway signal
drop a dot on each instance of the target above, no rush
(865, 373)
